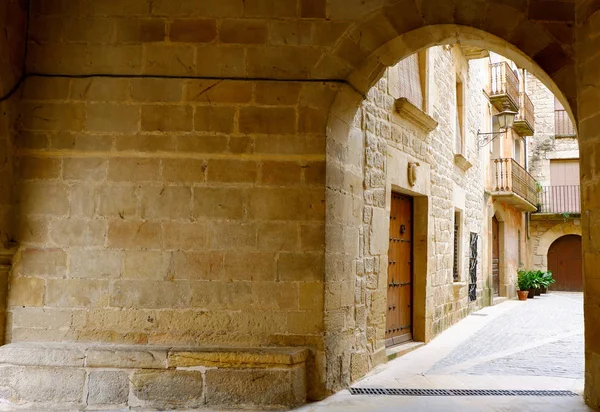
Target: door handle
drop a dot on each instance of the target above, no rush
(402, 229)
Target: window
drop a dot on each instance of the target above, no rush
(460, 119)
(517, 150)
(412, 75)
(457, 248)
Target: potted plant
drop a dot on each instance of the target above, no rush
(523, 283)
(534, 283)
(546, 280)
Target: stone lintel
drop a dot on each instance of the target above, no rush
(462, 162)
(413, 114)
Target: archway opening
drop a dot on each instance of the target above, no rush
(564, 261)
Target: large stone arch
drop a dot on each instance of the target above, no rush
(361, 57)
(550, 236)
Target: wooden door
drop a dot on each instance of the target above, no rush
(564, 261)
(399, 291)
(495, 256)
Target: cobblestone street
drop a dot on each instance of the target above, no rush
(536, 345)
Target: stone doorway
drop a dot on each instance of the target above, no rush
(495, 257)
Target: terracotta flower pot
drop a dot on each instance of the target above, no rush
(522, 294)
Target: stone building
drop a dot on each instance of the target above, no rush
(554, 162)
(183, 197)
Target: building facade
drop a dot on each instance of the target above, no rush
(185, 202)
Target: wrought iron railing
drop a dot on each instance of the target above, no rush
(509, 176)
(563, 126)
(559, 199)
(525, 110)
(503, 81)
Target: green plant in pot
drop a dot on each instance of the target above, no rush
(524, 283)
(546, 280)
(534, 282)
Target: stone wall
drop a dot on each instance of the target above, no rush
(384, 134)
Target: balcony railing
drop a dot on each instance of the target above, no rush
(510, 177)
(525, 120)
(562, 124)
(504, 86)
(559, 199)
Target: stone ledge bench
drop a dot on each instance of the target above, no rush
(106, 376)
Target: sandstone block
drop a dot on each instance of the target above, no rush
(117, 201)
(165, 202)
(139, 30)
(221, 295)
(184, 170)
(265, 387)
(41, 88)
(76, 232)
(210, 202)
(126, 358)
(184, 236)
(97, 263)
(219, 91)
(258, 8)
(78, 141)
(168, 389)
(40, 384)
(166, 118)
(198, 265)
(232, 61)
(41, 318)
(300, 266)
(219, 119)
(107, 117)
(170, 60)
(43, 198)
(97, 89)
(72, 293)
(53, 116)
(225, 235)
(83, 200)
(156, 90)
(143, 294)
(313, 8)
(231, 171)
(93, 169)
(125, 169)
(193, 30)
(311, 296)
(243, 31)
(40, 355)
(117, 59)
(281, 173)
(267, 120)
(41, 262)
(278, 236)
(26, 292)
(38, 168)
(146, 264)
(145, 143)
(277, 93)
(134, 234)
(108, 388)
(275, 295)
(250, 265)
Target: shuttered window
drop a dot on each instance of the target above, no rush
(410, 84)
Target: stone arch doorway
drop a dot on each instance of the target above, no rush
(564, 260)
(345, 203)
(550, 236)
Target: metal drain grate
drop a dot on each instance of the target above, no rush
(457, 392)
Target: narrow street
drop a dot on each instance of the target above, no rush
(533, 345)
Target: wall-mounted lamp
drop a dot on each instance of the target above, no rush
(505, 119)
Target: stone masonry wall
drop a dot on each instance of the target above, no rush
(170, 211)
(378, 126)
(543, 146)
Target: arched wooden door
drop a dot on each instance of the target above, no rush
(495, 256)
(564, 260)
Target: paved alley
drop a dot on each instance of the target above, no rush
(533, 345)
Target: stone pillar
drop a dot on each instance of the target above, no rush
(6, 255)
(588, 113)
